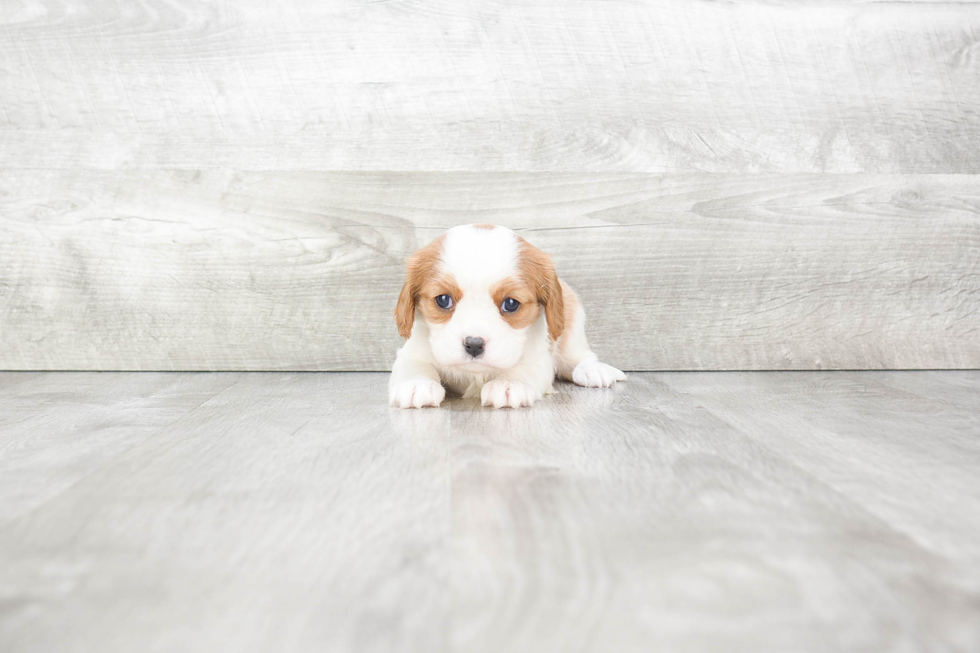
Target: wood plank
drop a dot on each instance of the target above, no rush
(701, 512)
(11, 380)
(900, 445)
(611, 521)
(226, 270)
(241, 527)
(553, 85)
(57, 428)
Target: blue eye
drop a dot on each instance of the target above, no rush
(510, 305)
(444, 301)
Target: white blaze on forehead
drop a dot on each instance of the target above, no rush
(479, 257)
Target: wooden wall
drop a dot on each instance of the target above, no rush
(234, 185)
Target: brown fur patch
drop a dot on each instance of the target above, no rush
(521, 290)
(438, 283)
(538, 272)
(570, 299)
(419, 269)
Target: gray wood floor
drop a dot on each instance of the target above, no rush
(783, 511)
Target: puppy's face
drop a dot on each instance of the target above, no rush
(480, 288)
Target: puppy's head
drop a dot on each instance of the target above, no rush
(480, 288)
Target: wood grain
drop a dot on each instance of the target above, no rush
(877, 428)
(228, 270)
(88, 421)
(554, 85)
(258, 492)
(653, 515)
(780, 511)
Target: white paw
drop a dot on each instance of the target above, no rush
(593, 374)
(502, 393)
(416, 393)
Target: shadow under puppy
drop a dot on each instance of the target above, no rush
(485, 315)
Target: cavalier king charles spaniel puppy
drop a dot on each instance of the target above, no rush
(485, 315)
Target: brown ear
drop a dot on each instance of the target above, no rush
(554, 308)
(539, 272)
(419, 265)
(405, 310)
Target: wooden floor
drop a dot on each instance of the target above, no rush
(811, 511)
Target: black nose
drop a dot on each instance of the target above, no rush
(473, 346)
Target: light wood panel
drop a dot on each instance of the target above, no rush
(653, 518)
(257, 493)
(207, 185)
(489, 85)
(56, 430)
(878, 428)
(820, 511)
(254, 270)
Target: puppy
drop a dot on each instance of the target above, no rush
(485, 315)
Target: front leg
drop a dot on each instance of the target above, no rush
(521, 385)
(508, 393)
(414, 381)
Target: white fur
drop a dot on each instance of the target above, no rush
(518, 366)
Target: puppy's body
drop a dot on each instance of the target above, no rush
(457, 311)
